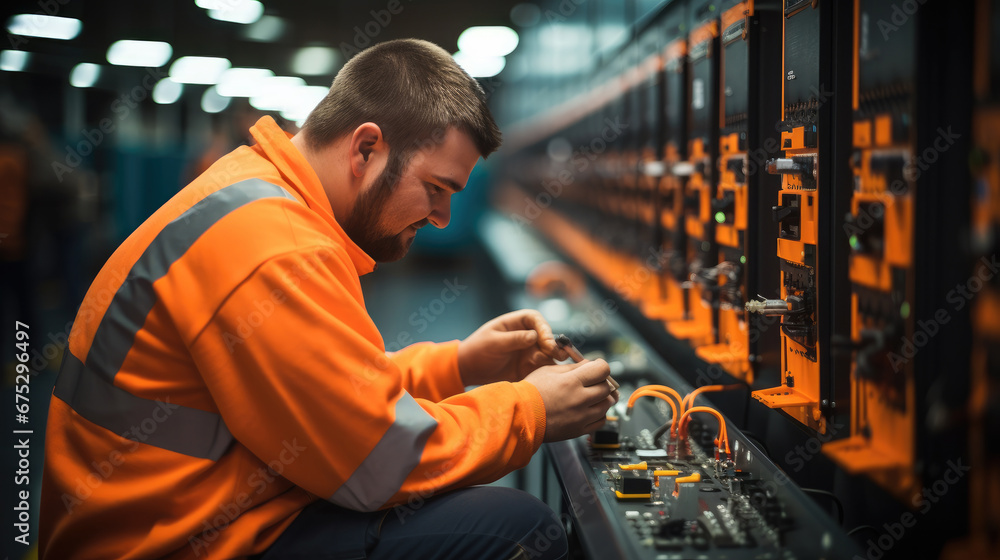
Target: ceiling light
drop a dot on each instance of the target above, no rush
(303, 101)
(84, 75)
(212, 102)
(46, 27)
(274, 94)
(242, 82)
(238, 11)
(315, 61)
(198, 69)
(167, 91)
(491, 40)
(479, 66)
(13, 61)
(139, 53)
(266, 30)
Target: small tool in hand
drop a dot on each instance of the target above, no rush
(566, 344)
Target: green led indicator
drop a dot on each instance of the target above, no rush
(743, 259)
(720, 217)
(854, 242)
(904, 310)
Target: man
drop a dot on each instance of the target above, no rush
(226, 394)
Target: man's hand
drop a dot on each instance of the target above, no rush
(508, 348)
(576, 396)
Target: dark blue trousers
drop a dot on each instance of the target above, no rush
(478, 523)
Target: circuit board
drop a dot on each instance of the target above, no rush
(635, 498)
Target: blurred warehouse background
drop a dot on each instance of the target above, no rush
(796, 199)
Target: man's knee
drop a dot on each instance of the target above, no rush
(537, 529)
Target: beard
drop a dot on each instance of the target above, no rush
(364, 225)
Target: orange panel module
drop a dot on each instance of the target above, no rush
(671, 304)
(698, 325)
(880, 229)
(727, 280)
(797, 215)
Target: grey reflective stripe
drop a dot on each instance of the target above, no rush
(383, 471)
(135, 298)
(163, 424)
(89, 389)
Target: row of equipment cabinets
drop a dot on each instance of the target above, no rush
(806, 194)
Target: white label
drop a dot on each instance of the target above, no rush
(698, 93)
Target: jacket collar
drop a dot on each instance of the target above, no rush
(277, 148)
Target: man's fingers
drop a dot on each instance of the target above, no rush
(595, 394)
(593, 373)
(531, 319)
(539, 359)
(515, 340)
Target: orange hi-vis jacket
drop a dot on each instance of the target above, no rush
(223, 373)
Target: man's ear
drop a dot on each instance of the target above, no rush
(365, 142)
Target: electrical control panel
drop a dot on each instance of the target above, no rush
(798, 216)
(730, 211)
(680, 498)
(669, 302)
(879, 226)
(786, 209)
(698, 324)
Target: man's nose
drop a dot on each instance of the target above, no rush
(441, 214)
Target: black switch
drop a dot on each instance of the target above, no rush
(782, 213)
(635, 485)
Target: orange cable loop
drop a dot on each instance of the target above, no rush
(664, 389)
(723, 432)
(646, 392)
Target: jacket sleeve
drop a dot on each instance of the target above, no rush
(430, 371)
(311, 374)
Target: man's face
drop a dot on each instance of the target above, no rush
(385, 219)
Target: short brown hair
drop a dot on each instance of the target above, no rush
(413, 90)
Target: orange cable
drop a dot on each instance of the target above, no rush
(644, 392)
(723, 433)
(689, 399)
